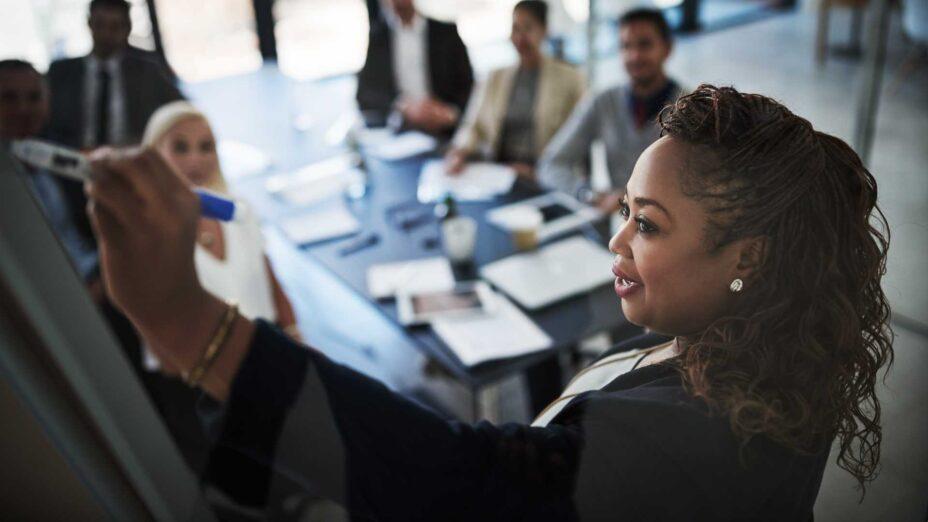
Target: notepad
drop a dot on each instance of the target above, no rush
(422, 275)
(326, 221)
(478, 182)
(507, 332)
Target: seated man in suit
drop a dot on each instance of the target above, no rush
(23, 113)
(623, 117)
(417, 73)
(106, 97)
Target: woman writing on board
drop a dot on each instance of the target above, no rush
(748, 241)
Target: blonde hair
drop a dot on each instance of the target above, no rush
(163, 120)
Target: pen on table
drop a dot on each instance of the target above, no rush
(420, 218)
(360, 244)
(72, 164)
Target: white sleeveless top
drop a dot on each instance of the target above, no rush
(594, 377)
(242, 276)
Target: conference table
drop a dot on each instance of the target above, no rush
(391, 192)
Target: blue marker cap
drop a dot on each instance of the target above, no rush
(72, 164)
(214, 206)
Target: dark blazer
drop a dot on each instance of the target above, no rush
(146, 89)
(450, 74)
(639, 449)
(156, 58)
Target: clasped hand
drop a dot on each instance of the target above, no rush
(429, 114)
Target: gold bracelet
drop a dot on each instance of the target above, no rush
(293, 330)
(196, 375)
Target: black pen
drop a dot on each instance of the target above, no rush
(410, 222)
(360, 244)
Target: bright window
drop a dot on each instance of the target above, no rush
(209, 39)
(43, 30)
(319, 38)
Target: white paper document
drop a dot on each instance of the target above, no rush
(392, 147)
(422, 275)
(506, 332)
(478, 182)
(326, 221)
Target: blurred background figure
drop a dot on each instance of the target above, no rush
(622, 117)
(229, 256)
(417, 73)
(106, 97)
(23, 114)
(514, 115)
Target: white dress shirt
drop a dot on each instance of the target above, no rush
(117, 102)
(410, 57)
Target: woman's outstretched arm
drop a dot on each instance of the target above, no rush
(390, 452)
(333, 430)
(345, 436)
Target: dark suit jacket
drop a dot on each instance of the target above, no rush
(146, 89)
(640, 449)
(450, 74)
(156, 58)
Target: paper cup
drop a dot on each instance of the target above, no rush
(523, 224)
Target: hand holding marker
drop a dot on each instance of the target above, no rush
(72, 164)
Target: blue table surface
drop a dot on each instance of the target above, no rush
(394, 184)
(266, 107)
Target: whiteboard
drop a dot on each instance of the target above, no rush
(60, 358)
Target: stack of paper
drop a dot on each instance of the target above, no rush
(423, 275)
(507, 332)
(478, 181)
(316, 182)
(384, 144)
(323, 222)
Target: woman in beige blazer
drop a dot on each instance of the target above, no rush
(519, 108)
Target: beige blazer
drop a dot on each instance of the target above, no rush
(560, 88)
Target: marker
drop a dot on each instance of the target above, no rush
(72, 164)
(360, 244)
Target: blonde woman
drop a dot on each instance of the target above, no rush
(519, 108)
(229, 257)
